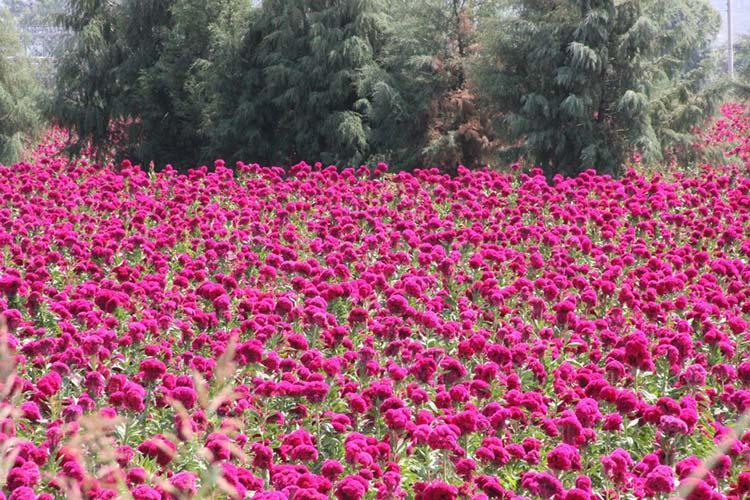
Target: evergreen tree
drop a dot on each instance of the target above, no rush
(86, 85)
(742, 67)
(573, 83)
(423, 100)
(399, 95)
(587, 83)
(686, 75)
(142, 32)
(134, 62)
(169, 108)
(19, 113)
(279, 83)
(313, 53)
(237, 123)
(36, 12)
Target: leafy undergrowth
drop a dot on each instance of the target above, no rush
(363, 334)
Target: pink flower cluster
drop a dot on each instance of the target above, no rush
(319, 333)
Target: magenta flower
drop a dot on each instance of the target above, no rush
(346, 323)
(351, 487)
(564, 458)
(436, 490)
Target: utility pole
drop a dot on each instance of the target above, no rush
(730, 65)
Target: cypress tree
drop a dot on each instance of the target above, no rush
(279, 83)
(134, 62)
(19, 112)
(142, 32)
(235, 120)
(742, 67)
(686, 77)
(588, 83)
(313, 53)
(169, 109)
(86, 87)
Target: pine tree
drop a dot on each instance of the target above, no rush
(313, 53)
(19, 111)
(688, 84)
(86, 85)
(131, 62)
(169, 109)
(742, 67)
(236, 121)
(142, 31)
(587, 83)
(279, 83)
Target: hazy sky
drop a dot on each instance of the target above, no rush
(740, 17)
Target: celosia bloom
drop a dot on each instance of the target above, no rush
(564, 458)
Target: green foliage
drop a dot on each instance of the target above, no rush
(417, 67)
(589, 83)
(421, 98)
(34, 12)
(687, 79)
(166, 127)
(281, 83)
(135, 63)
(742, 57)
(86, 87)
(235, 121)
(19, 113)
(742, 68)
(277, 83)
(312, 55)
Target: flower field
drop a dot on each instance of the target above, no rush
(358, 334)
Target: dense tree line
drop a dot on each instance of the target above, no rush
(569, 84)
